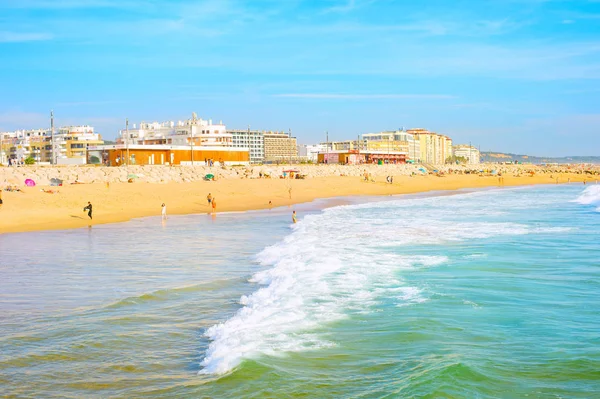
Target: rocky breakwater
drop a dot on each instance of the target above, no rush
(42, 175)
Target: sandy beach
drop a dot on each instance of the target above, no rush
(116, 201)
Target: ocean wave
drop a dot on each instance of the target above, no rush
(589, 196)
(346, 260)
(312, 281)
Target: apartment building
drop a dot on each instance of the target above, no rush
(468, 152)
(280, 147)
(434, 148)
(254, 140)
(70, 145)
(395, 140)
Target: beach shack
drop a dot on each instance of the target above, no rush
(356, 157)
(347, 157)
(156, 154)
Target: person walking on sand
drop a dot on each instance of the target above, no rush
(214, 205)
(290, 192)
(2, 202)
(294, 217)
(89, 209)
(209, 198)
(163, 211)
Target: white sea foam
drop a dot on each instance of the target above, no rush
(345, 260)
(590, 196)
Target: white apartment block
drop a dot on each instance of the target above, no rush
(254, 140)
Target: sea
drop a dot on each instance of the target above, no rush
(467, 294)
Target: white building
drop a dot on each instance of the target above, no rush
(470, 153)
(198, 131)
(254, 140)
(70, 145)
(313, 150)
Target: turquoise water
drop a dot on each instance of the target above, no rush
(489, 294)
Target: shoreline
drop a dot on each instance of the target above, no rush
(35, 210)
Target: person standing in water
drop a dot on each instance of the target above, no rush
(214, 205)
(294, 217)
(89, 209)
(163, 211)
(209, 198)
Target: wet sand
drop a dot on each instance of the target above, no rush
(34, 209)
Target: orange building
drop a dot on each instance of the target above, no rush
(148, 154)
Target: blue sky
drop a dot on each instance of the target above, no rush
(507, 75)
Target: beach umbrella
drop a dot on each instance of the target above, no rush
(209, 176)
(29, 183)
(422, 170)
(55, 182)
(132, 176)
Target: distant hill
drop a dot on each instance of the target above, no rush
(502, 157)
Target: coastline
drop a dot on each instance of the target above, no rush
(35, 210)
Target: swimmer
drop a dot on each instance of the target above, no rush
(294, 217)
(163, 211)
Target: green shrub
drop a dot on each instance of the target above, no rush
(94, 159)
(29, 161)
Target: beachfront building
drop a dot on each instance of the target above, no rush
(280, 147)
(194, 131)
(167, 154)
(4, 137)
(434, 148)
(355, 157)
(468, 152)
(70, 145)
(313, 150)
(254, 140)
(188, 142)
(395, 140)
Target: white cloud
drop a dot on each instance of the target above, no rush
(365, 96)
(69, 4)
(15, 37)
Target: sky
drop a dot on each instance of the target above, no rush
(520, 76)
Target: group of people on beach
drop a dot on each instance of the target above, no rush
(212, 202)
